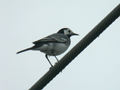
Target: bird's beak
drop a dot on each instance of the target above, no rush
(75, 34)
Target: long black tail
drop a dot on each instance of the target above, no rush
(24, 50)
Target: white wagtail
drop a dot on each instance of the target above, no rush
(54, 44)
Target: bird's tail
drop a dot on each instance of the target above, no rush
(24, 50)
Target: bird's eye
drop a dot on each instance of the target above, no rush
(69, 31)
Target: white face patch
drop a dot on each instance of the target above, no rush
(67, 32)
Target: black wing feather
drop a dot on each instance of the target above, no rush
(51, 38)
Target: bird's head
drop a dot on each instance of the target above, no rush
(67, 31)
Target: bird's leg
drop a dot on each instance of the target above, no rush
(57, 59)
(48, 60)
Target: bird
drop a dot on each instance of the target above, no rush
(54, 44)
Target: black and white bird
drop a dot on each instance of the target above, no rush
(54, 44)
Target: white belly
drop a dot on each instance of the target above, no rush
(53, 48)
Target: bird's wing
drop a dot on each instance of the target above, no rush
(51, 38)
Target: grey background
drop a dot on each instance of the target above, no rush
(24, 21)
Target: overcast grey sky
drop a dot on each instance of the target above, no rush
(25, 21)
